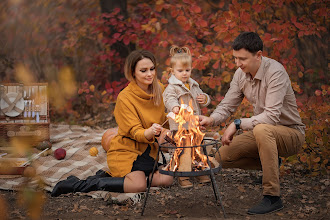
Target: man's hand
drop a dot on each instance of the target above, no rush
(227, 137)
(205, 121)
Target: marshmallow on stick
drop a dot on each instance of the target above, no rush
(186, 107)
(170, 115)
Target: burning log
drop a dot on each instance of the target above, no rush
(169, 139)
(185, 160)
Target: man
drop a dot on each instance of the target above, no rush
(274, 130)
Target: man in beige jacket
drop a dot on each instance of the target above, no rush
(275, 129)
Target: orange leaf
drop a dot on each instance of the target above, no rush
(227, 78)
(212, 83)
(316, 160)
(181, 18)
(164, 21)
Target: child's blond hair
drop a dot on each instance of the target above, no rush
(180, 54)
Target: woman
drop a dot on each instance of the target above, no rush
(139, 112)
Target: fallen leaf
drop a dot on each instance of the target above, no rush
(98, 212)
(241, 188)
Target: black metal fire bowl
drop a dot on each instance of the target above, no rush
(207, 171)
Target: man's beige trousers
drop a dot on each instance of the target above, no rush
(259, 149)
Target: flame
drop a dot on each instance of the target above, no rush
(188, 135)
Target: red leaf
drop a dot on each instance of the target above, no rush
(216, 48)
(216, 65)
(212, 83)
(164, 34)
(164, 21)
(227, 38)
(103, 57)
(116, 35)
(187, 26)
(203, 23)
(116, 10)
(299, 25)
(174, 13)
(181, 18)
(126, 40)
(196, 9)
(246, 6)
(231, 66)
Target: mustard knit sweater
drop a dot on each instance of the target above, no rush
(134, 112)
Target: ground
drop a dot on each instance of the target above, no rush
(304, 197)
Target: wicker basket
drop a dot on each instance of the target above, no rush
(25, 129)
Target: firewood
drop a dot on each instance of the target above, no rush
(185, 160)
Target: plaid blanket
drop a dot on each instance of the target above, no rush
(77, 141)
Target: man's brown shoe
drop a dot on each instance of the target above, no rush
(184, 182)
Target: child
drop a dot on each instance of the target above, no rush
(182, 89)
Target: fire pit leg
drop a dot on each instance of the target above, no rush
(214, 184)
(150, 181)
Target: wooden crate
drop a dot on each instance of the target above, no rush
(24, 127)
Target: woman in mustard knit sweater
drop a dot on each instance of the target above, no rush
(131, 156)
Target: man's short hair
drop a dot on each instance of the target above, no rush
(250, 41)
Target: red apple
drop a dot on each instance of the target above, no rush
(59, 153)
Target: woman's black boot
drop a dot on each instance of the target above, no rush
(111, 184)
(74, 184)
(65, 186)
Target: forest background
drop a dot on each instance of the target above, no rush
(79, 48)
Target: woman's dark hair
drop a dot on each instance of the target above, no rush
(129, 70)
(249, 41)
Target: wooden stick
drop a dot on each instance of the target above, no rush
(33, 158)
(165, 122)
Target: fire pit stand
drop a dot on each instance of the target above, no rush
(210, 171)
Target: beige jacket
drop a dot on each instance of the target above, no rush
(176, 92)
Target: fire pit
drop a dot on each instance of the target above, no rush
(199, 168)
(209, 147)
(191, 153)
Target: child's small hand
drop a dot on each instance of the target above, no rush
(176, 109)
(201, 99)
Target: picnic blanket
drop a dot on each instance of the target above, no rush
(76, 140)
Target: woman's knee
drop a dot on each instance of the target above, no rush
(136, 181)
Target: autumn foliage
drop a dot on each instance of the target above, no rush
(85, 40)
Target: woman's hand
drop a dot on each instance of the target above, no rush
(201, 99)
(153, 131)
